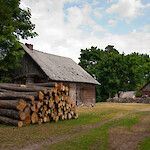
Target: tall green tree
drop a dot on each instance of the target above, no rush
(15, 24)
(115, 72)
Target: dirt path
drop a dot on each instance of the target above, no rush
(123, 139)
(129, 139)
(74, 132)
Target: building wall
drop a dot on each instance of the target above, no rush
(29, 71)
(146, 93)
(147, 87)
(82, 93)
(72, 91)
(88, 93)
(146, 90)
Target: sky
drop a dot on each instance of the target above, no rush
(65, 27)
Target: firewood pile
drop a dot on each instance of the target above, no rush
(22, 105)
(145, 100)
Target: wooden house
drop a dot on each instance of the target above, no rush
(146, 89)
(40, 67)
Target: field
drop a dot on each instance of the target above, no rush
(107, 126)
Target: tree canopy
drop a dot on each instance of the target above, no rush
(15, 24)
(114, 71)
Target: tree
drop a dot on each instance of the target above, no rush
(14, 24)
(110, 48)
(114, 71)
(138, 70)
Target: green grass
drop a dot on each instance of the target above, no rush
(128, 121)
(95, 138)
(145, 145)
(127, 114)
(37, 133)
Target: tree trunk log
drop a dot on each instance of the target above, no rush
(13, 104)
(8, 121)
(47, 84)
(27, 120)
(9, 113)
(13, 114)
(16, 95)
(22, 88)
(34, 118)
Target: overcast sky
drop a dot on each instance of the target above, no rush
(66, 26)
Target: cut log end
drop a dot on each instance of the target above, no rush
(34, 118)
(21, 105)
(20, 124)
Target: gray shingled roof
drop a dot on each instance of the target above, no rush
(146, 87)
(60, 68)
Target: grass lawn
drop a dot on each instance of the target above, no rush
(145, 144)
(96, 128)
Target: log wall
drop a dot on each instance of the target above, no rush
(146, 90)
(147, 87)
(146, 93)
(28, 70)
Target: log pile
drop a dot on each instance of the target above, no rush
(145, 100)
(22, 105)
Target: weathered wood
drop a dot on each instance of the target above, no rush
(16, 95)
(21, 105)
(47, 84)
(22, 88)
(33, 108)
(35, 94)
(9, 104)
(46, 119)
(69, 116)
(10, 113)
(34, 118)
(27, 120)
(9, 121)
(27, 110)
(22, 115)
(42, 106)
(13, 104)
(41, 96)
(3, 90)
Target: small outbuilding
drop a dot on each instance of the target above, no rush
(146, 89)
(127, 94)
(40, 67)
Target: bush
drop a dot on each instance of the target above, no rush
(138, 93)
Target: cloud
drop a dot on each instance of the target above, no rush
(65, 32)
(128, 43)
(97, 12)
(127, 8)
(112, 22)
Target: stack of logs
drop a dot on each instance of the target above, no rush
(22, 105)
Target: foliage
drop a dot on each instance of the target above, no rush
(138, 93)
(14, 24)
(114, 71)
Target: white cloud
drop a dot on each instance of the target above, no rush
(97, 12)
(127, 8)
(134, 41)
(112, 22)
(62, 35)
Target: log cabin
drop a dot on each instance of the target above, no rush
(146, 89)
(40, 67)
